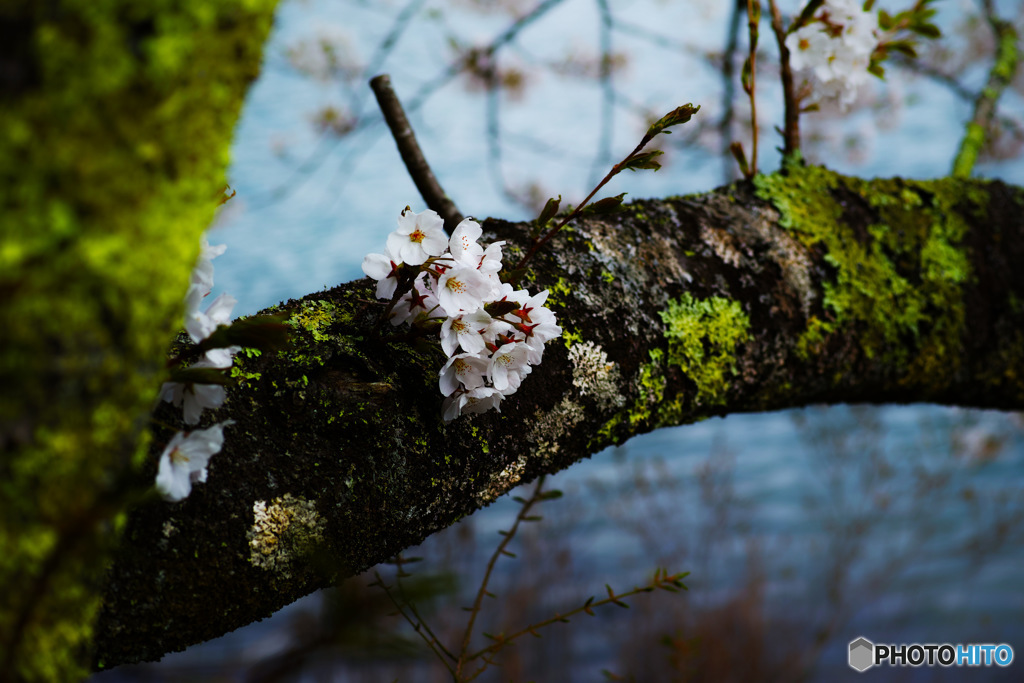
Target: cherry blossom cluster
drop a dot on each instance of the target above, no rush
(835, 47)
(492, 333)
(186, 456)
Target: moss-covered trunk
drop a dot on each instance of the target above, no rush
(793, 289)
(115, 122)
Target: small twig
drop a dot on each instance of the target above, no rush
(419, 170)
(662, 579)
(412, 608)
(791, 134)
(416, 626)
(1007, 58)
(729, 87)
(498, 552)
(753, 19)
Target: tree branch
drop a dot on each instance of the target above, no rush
(792, 289)
(412, 156)
(1005, 65)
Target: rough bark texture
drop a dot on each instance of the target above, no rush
(115, 121)
(796, 288)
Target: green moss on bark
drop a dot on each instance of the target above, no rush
(899, 260)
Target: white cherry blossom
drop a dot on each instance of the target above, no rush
(477, 400)
(463, 243)
(201, 324)
(418, 237)
(202, 273)
(463, 289)
(466, 368)
(458, 278)
(384, 269)
(467, 330)
(193, 399)
(507, 365)
(482, 399)
(834, 50)
(185, 459)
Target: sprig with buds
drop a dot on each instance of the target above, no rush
(634, 161)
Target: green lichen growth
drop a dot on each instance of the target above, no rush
(314, 316)
(898, 280)
(703, 335)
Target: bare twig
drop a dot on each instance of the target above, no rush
(729, 87)
(791, 134)
(399, 561)
(430, 189)
(1007, 58)
(498, 552)
(753, 19)
(416, 625)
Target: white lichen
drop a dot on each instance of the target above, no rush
(723, 243)
(556, 424)
(503, 481)
(594, 375)
(283, 531)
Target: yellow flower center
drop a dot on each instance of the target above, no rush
(417, 236)
(177, 456)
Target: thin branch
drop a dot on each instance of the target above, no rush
(498, 552)
(753, 19)
(729, 88)
(791, 134)
(1007, 58)
(662, 579)
(412, 608)
(419, 170)
(415, 625)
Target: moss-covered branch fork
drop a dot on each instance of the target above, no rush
(787, 290)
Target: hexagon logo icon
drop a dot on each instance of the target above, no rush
(862, 654)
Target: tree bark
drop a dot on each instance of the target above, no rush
(796, 288)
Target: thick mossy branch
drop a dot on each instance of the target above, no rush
(788, 290)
